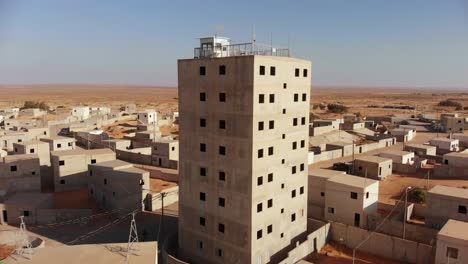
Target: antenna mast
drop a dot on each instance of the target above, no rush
(23, 246)
(132, 238)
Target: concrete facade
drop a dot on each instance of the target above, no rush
(452, 243)
(462, 138)
(456, 159)
(349, 199)
(243, 186)
(27, 205)
(70, 167)
(57, 143)
(403, 134)
(398, 156)
(165, 153)
(317, 190)
(81, 112)
(7, 140)
(148, 117)
(41, 149)
(20, 173)
(444, 203)
(421, 150)
(445, 145)
(117, 184)
(376, 167)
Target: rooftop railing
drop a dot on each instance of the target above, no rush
(243, 49)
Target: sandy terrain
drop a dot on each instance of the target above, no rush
(334, 253)
(164, 99)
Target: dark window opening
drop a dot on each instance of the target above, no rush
(222, 70)
(202, 70)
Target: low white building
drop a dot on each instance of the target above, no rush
(462, 138)
(398, 156)
(349, 199)
(148, 117)
(445, 145)
(421, 149)
(81, 112)
(456, 159)
(452, 243)
(403, 134)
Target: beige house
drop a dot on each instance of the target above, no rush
(116, 184)
(243, 185)
(456, 159)
(452, 243)
(317, 190)
(36, 133)
(7, 140)
(462, 138)
(70, 167)
(349, 199)
(403, 134)
(57, 143)
(165, 153)
(20, 173)
(27, 205)
(444, 203)
(34, 147)
(373, 167)
(148, 117)
(347, 147)
(445, 145)
(398, 156)
(117, 143)
(421, 150)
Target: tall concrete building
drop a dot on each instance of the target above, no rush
(244, 115)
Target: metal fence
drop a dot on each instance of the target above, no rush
(243, 49)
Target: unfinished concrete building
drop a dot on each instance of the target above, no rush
(403, 134)
(165, 153)
(398, 156)
(454, 165)
(349, 199)
(317, 190)
(7, 140)
(421, 150)
(27, 205)
(34, 147)
(70, 167)
(57, 143)
(373, 167)
(148, 117)
(20, 173)
(454, 123)
(452, 243)
(444, 203)
(462, 138)
(347, 148)
(243, 194)
(116, 184)
(36, 133)
(323, 126)
(445, 145)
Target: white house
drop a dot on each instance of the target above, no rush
(148, 117)
(398, 156)
(81, 112)
(445, 145)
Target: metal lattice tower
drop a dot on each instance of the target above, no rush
(132, 246)
(23, 246)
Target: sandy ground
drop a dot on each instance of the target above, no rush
(164, 99)
(334, 253)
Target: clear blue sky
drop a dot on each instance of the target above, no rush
(351, 42)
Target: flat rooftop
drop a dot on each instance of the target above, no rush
(351, 180)
(396, 152)
(463, 154)
(31, 142)
(113, 164)
(444, 139)
(13, 158)
(455, 229)
(449, 191)
(73, 152)
(420, 146)
(158, 185)
(373, 159)
(340, 143)
(324, 173)
(91, 253)
(52, 138)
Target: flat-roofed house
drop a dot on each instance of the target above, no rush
(27, 205)
(34, 147)
(445, 145)
(452, 243)
(462, 138)
(373, 167)
(349, 199)
(421, 150)
(70, 167)
(346, 147)
(57, 143)
(317, 191)
(116, 184)
(454, 165)
(403, 134)
(398, 156)
(7, 140)
(444, 203)
(165, 153)
(20, 173)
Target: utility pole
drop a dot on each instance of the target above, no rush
(23, 246)
(405, 211)
(354, 162)
(132, 238)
